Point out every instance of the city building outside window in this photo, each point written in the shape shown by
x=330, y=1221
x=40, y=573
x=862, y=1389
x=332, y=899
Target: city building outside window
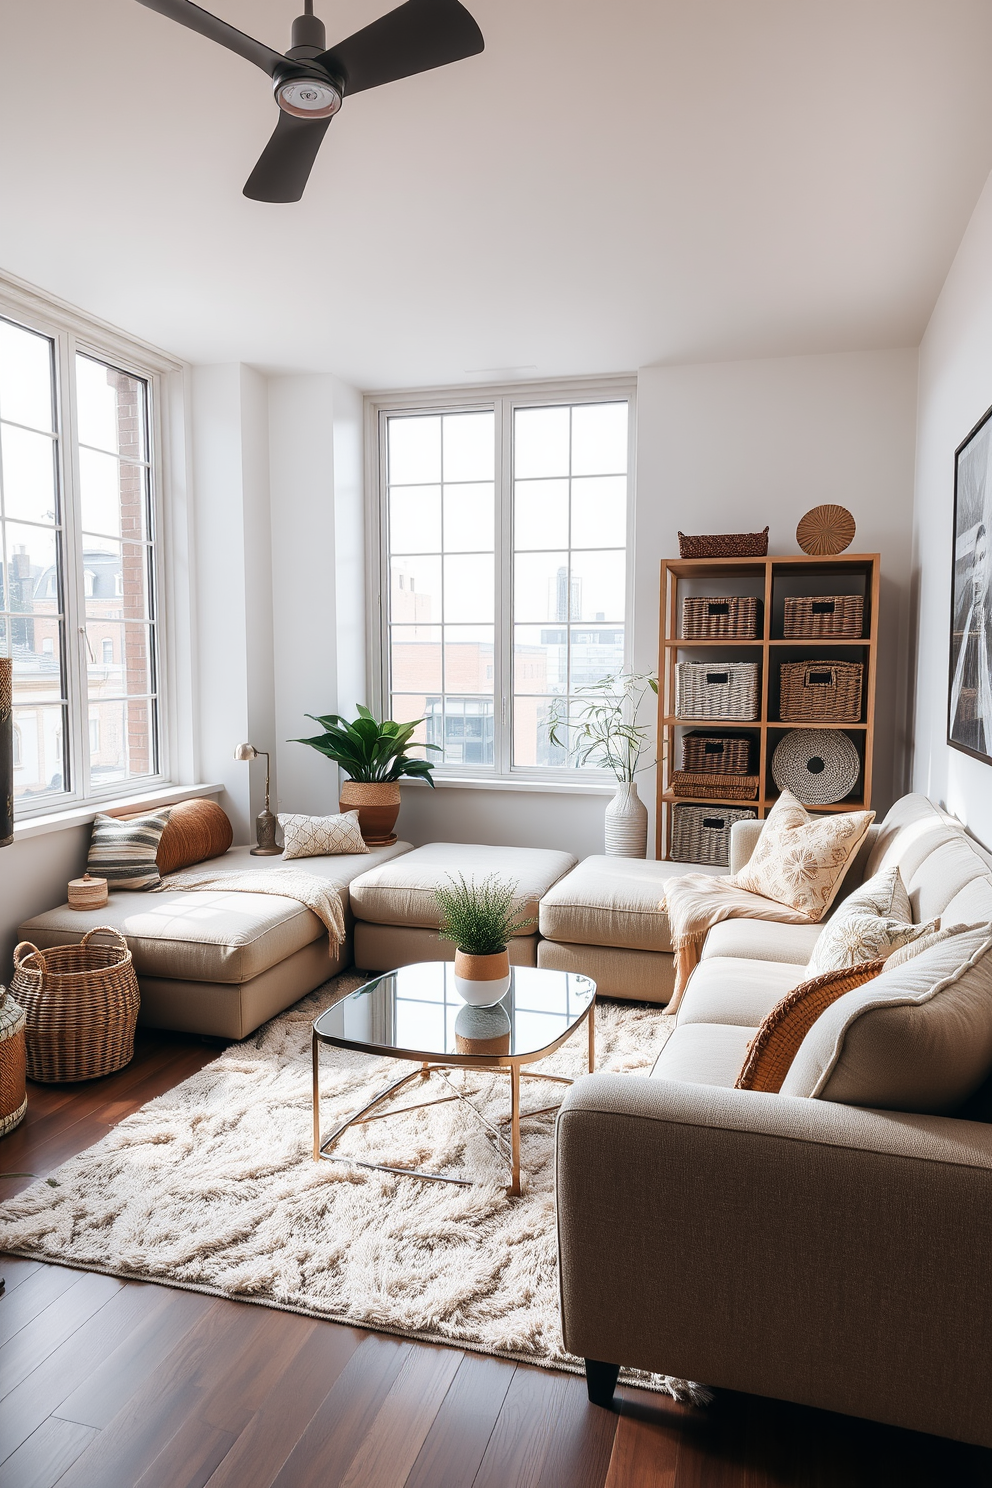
x=78, y=605
x=503, y=533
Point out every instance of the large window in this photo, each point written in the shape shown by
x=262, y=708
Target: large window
x=77, y=570
x=504, y=572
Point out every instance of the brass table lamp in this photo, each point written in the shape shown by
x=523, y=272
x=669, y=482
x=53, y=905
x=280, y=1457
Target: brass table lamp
x=265, y=822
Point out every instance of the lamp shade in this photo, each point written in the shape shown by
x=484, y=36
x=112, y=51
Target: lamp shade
x=246, y=752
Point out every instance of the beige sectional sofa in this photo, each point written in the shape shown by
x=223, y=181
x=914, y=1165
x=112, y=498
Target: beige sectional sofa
x=814, y=1250
x=218, y=962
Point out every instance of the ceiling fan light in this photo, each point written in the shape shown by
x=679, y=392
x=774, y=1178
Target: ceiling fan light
x=308, y=98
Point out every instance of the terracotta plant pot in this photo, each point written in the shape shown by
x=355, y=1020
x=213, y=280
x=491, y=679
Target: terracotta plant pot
x=378, y=806
x=482, y=980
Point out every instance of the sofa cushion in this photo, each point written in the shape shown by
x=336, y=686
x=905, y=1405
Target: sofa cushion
x=401, y=892
x=949, y=869
x=777, y=1041
x=800, y=859
x=971, y=905
x=917, y=1038
x=912, y=829
x=612, y=902
x=643, y=976
x=725, y=990
x=704, y=1054
x=762, y=940
x=207, y=936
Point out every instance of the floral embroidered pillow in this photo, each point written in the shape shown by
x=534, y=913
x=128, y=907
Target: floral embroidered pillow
x=800, y=860
x=856, y=935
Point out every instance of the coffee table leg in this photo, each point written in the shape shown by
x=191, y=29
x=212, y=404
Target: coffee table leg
x=592, y=1036
x=514, y=1189
x=316, y=1097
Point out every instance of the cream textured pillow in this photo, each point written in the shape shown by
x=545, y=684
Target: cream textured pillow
x=871, y=923
x=916, y=1038
x=924, y=942
x=321, y=836
x=800, y=860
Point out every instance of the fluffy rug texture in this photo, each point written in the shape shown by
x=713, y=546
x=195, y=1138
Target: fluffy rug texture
x=213, y=1187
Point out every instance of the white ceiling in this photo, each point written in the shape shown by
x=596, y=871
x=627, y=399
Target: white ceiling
x=608, y=185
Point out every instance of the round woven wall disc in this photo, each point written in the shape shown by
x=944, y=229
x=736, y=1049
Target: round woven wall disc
x=825, y=530
x=819, y=766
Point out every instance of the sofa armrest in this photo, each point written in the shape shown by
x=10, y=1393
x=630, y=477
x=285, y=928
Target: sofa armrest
x=801, y=1249
x=743, y=840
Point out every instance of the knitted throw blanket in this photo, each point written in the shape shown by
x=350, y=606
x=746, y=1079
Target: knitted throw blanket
x=696, y=902
x=316, y=893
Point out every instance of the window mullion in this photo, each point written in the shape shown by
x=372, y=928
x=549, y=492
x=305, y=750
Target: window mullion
x=503, y=635
x=75, y=639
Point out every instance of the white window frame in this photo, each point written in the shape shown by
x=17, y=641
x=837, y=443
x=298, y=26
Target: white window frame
x=502, y=399
x=72, y=332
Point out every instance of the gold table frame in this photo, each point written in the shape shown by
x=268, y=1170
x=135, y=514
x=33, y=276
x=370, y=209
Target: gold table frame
x=434, y=1064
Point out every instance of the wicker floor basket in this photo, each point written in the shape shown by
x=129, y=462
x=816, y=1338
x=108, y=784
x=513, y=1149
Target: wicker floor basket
x=711, y=787
x=808, y=616
x=701, y=834
x=716, y=754
x=81, y=1003
x=717, y=689
x=737, y=616
x=13, y=1091
x=820, y=691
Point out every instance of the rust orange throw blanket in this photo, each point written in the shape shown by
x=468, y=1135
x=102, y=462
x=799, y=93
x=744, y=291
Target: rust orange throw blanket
x=697, y=902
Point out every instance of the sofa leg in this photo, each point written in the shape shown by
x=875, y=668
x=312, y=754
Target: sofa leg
x=601, y=1381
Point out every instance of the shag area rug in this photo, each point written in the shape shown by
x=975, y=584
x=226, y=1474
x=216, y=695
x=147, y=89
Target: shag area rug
x=213, y=1187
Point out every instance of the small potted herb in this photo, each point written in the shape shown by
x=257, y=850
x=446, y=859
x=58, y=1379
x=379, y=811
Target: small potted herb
x=373, y=755
x=481, y=918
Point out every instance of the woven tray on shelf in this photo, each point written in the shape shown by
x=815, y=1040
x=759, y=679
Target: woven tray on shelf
x=819, y=766
x=701, y=834
x=722, y=689
x=717, y=754
x=81, y=1003
x=724, y=545
x=737, y=616
x=810, y=615
x=711, y=787
x=820, y=691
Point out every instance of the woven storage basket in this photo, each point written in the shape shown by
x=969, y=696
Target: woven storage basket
x=810, y=615
x=717, y=689
x=724, y=545
x=701, y=834
x=81, y=1003
x=820, y=691
x=819, y=766
x=739, y=615
x=13, y=1091
x=716, y=754
x=710, y=787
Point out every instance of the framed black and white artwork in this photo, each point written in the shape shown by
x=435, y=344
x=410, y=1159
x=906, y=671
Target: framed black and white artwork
x=969, y=712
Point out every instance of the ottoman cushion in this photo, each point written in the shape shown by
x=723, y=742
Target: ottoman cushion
x=401, y=892
x=613, y=902
x=704, y=1054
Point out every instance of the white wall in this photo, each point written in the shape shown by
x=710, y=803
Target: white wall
x=955, y=390
x=731, y=446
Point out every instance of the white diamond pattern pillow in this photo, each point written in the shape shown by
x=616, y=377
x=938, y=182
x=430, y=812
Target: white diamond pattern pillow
x=321, y=836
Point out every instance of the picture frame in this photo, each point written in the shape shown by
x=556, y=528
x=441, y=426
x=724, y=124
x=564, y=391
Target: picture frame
x=969, y=677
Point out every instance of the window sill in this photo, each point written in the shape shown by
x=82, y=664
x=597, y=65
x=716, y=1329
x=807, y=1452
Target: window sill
x=84, y=812
x=546, y=787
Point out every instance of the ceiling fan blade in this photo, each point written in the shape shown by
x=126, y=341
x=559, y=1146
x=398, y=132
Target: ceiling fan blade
x=188, y=14
x=285, y=164
x=413, y=38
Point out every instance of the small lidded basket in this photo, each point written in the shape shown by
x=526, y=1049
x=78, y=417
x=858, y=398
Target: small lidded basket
x=87, y=892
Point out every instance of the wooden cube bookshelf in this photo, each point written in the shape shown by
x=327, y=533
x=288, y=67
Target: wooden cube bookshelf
x=770, y=579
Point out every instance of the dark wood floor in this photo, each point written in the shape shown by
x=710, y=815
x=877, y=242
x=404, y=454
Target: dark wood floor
x=110, y=1384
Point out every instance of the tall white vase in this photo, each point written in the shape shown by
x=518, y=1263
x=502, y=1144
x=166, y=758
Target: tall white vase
x=626, y=823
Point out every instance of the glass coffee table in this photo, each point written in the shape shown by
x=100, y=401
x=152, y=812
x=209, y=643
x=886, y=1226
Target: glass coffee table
x=416, y=1014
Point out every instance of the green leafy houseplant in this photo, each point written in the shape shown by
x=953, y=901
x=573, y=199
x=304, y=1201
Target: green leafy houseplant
x=479, y=917
x=370, y=751
x=602, y=723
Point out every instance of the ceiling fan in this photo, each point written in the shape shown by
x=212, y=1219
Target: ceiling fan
x=311, y=81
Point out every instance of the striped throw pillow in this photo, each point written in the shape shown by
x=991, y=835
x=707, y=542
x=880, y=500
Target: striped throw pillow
x=123, y=852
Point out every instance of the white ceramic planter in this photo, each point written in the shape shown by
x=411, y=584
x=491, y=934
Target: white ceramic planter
x=482, y=981
x=626, y=823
